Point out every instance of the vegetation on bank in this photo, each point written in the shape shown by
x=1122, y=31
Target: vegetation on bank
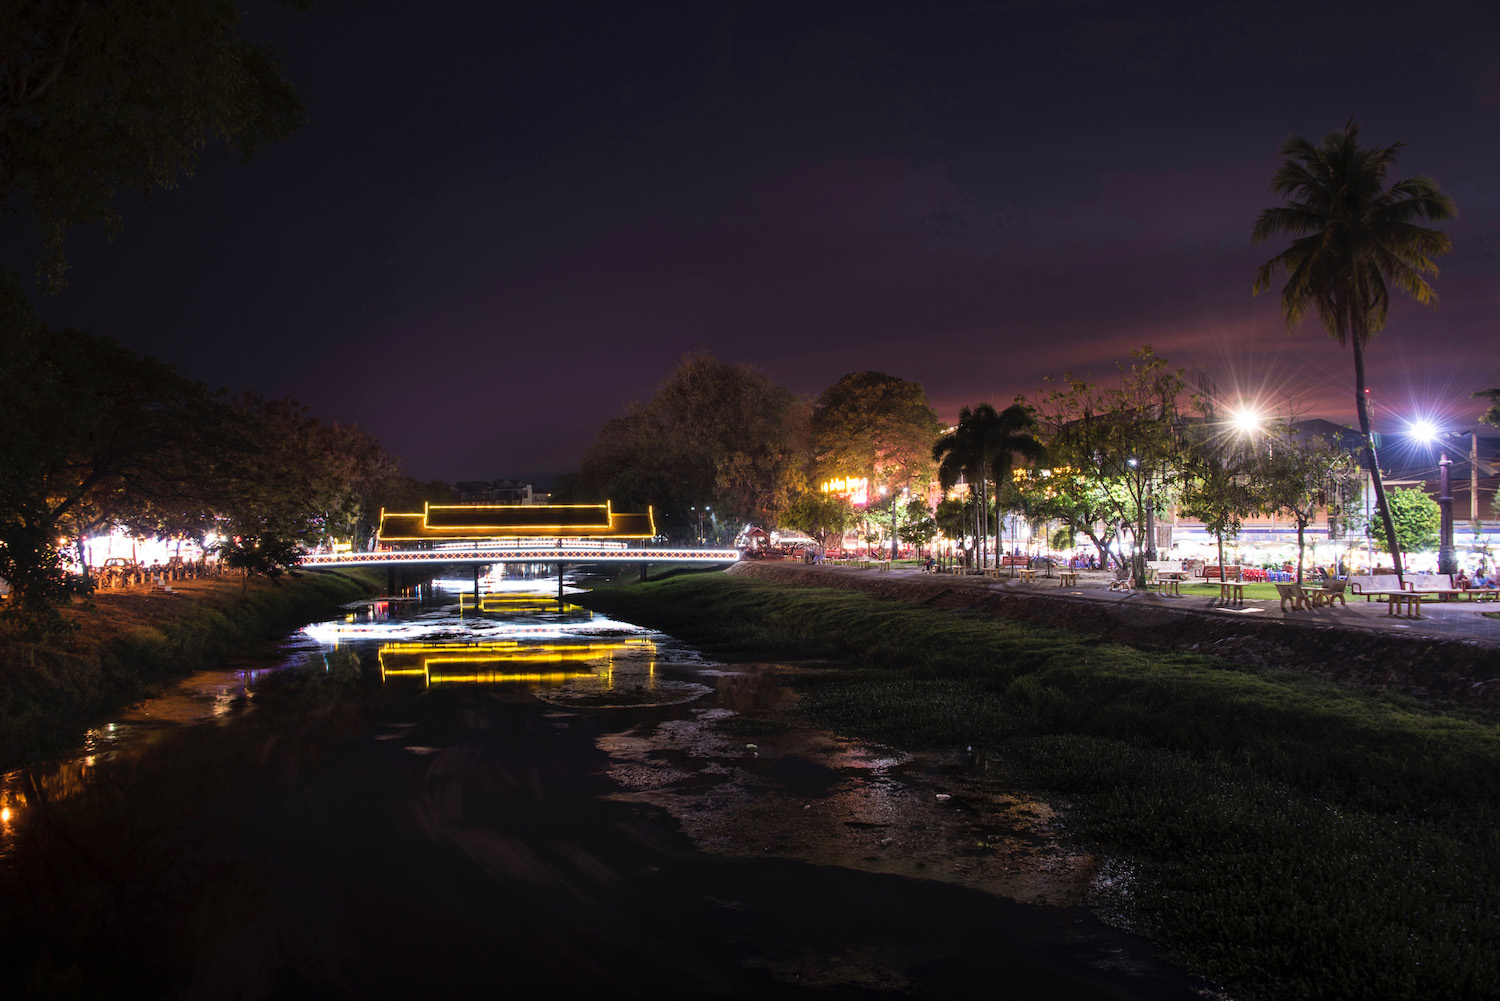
x=1281, y=834
x=122, y=645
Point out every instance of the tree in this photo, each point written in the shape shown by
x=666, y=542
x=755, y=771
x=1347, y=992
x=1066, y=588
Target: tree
x=1115, y=453
x=984, y=446
x=917, y=524
x=821, y=515
x=1492, y=415
x=1300, y=475
x=271, y=556
x=1352, y=239
x=1417, y=519
x=301, y=481
x=876, y=426
x=714, y=434
x=1220, y=482
x=97, y=435
x=100, y=98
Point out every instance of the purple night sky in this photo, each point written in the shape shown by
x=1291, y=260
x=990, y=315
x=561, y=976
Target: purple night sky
x=504, y=222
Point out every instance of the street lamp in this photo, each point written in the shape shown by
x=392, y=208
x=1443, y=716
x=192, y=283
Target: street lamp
x=1424, y=430
x=1246, y=421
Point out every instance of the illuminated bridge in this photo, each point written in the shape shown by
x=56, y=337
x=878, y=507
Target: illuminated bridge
x=478, y=535
x=521, y=554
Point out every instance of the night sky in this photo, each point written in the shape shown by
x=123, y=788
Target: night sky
x=504, y=221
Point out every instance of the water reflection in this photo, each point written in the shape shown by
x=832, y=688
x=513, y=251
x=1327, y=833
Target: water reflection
x=508, y=660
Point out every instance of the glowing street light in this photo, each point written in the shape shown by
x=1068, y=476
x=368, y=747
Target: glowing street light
x=1427, y=432
x=1423, y=430
x=1246, y=421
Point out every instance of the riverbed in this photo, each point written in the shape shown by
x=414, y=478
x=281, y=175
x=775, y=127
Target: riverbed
x=423, y=797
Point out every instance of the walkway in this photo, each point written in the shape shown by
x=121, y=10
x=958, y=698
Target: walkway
x=1449, y=620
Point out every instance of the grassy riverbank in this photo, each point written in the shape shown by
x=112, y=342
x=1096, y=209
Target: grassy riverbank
x=1281, y=834
x=125, y=643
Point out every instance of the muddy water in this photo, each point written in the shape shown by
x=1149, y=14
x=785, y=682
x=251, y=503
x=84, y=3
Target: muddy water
x=407, y=799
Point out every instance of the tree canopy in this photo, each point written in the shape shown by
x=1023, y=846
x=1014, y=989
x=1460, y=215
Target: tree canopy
x=1417, y=519
x=714, y=434
x=877, y=426
x=1114, y=450
x=98, y=437
x=101, y=98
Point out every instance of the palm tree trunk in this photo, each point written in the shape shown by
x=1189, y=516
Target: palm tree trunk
x=1362, y=407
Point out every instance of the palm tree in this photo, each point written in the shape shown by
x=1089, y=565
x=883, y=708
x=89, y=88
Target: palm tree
x=984, y=446
x=1352, y=239
x=959, y=457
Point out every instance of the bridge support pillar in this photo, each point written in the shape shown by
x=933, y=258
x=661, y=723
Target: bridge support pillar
x=559, y=583
x=390, y=582
x=644, y=568
x=476, y=588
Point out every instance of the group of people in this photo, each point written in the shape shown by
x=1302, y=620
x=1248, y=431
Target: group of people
x=1480, y=580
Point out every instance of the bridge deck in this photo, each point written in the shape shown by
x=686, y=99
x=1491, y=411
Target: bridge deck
x=530, y=554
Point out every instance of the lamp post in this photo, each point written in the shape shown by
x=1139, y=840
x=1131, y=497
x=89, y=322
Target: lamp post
x=1426, y=431
x=1446, y=562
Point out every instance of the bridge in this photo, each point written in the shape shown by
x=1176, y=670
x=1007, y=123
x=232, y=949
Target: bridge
x=483, y=534
x=562, y=554
x=529, y=554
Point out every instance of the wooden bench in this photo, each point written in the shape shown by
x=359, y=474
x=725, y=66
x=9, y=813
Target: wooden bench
x=1296, y=594
x=1377, y=585
x=1411, y=600
x=1069, y=577
x=1231, y=587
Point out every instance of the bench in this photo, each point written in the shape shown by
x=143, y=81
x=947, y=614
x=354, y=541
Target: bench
x=1295, y=594
x=1069, y=577
x=1410, y=600
x=1231, y=587
x=1373, y=585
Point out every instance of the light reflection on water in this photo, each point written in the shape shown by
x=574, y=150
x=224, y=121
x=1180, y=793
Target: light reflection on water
x=518, y=636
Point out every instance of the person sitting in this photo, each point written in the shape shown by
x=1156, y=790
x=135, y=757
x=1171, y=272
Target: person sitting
x=1461, y=582
x=928, y=565
x=1480, y=580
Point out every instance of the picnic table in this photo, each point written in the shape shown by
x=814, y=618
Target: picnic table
x=1231, y=587
x=1026, y=573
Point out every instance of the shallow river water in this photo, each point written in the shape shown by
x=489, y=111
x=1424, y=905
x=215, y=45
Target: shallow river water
x=424, y=798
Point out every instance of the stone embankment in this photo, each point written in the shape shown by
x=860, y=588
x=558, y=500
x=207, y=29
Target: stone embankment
x=1463, y=672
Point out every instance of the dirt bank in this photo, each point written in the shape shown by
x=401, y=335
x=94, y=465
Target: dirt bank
x=1455, y=671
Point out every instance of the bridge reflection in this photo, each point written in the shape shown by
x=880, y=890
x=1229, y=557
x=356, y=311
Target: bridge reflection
x=511, y=661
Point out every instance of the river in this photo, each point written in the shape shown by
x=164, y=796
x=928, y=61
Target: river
x=423, y=798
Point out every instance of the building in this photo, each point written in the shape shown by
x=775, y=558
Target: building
x=497, y=492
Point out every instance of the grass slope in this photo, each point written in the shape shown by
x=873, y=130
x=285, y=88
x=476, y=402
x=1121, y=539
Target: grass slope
x=125, y=644
x=1283, y=835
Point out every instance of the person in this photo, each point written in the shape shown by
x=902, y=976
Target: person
x=929, y=564
x=1462, y=580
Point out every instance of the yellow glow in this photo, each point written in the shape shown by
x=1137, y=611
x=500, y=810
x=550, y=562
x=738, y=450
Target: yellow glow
x=4, y=814
x=434, y=660
x=610, y=527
